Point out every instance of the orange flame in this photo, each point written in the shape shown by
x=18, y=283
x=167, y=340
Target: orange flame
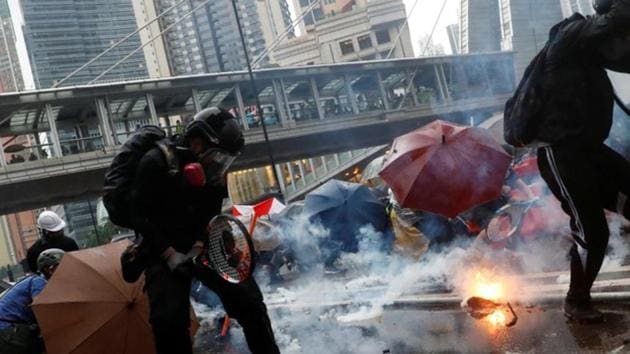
x=487, y=289
x=497, y=318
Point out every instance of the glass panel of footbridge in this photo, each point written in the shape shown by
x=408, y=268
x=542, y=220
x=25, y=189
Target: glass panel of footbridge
x=426, y=87
x=270, y=102
x=127, y=115
x=79, y=128
x=366, y=92
x=300, y=99
x=397, y=88
x=25, y=135
x=333, y=96
x=173, y=111
x=224, y=96
x=478, y=76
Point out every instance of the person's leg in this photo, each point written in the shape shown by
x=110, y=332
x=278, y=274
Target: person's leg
x=615, y=181
x=243, y=302
x=170, y=308
x=574, y=181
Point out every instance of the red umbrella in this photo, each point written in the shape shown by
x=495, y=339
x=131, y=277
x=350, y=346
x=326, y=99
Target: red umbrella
x=445, y=168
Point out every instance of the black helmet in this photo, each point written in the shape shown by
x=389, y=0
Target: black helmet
x=218, y=128
x=602, y=6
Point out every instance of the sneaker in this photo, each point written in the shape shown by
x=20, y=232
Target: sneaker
x=582, y=313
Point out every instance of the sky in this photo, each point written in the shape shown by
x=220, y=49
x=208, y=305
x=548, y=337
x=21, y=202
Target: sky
x=421, y=22
x=424, y=16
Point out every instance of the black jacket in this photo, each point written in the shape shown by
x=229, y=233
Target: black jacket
x=579, y=94
x=64, y=243
x=167, y=211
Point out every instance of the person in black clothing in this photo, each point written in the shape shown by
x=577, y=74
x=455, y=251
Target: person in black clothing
x=52, y=236
x=171, y=213
x=583, y=173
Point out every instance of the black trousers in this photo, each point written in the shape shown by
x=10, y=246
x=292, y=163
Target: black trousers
x=587, y=180
x=169, y=299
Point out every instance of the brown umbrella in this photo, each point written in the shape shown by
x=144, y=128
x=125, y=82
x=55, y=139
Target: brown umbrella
x=87, y=307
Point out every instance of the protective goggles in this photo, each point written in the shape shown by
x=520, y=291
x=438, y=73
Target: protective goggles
x=217, y=160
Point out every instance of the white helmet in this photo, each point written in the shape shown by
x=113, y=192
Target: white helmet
x=50, y=221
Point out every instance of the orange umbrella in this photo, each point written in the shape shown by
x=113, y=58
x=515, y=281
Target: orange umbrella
x=87, y=307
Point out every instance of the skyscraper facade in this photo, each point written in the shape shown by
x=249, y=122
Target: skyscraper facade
x=208, y=40
x=570, y=7
x=10, y=74
x=525, y=26
x=479, y=26
x=62, y=35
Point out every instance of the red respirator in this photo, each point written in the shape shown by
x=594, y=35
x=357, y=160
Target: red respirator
x=195, y=175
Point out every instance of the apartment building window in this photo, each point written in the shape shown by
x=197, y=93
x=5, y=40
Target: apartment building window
x=346, y=47
x=382, y=36
x=365, y=42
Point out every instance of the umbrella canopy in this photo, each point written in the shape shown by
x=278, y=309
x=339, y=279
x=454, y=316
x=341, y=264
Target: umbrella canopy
x=14, y=148
x=445, y=169
x=266, y=207
x=87, y=307
x=344, y=208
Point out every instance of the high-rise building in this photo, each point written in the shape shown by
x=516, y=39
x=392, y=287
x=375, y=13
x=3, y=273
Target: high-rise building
x=62, y=35
x=369, y=32
x=479, y=26
x=570, y=7
x=10, y=74
x=208, y=41
x=81, y=219
x=453, y=38
x=326, y=8
x=154, y=51
x=525, y=26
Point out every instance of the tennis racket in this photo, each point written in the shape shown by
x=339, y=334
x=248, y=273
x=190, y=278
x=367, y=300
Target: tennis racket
x=230, y=249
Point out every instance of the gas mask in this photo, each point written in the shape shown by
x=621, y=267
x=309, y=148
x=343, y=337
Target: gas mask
x=215, y=163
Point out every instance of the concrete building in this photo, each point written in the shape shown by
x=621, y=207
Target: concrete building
x=362, y=33
x=453, y=38
x=525, y=26
x=62, y=35
x=7, y=251
x=326, y=8
x=208, y=41
x=479, y=26
x=22, y=227
x=154, y=53
x=10, y=74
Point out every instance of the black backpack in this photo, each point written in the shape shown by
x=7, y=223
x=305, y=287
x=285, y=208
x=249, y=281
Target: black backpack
x=523, y=112
x=119, y=179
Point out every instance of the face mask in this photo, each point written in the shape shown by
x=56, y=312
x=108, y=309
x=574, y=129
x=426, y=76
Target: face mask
x=216, y=163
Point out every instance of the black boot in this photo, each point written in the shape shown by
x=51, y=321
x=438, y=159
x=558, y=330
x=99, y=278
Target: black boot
x=582, y=312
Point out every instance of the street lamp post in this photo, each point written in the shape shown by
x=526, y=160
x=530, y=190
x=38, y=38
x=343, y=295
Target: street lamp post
x=252, y=81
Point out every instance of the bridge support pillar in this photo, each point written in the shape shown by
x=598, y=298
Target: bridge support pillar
x=3, y=160
x=312, y=166
x=318, y=105
x=101, y=113
x=54, y=134
x=381, y=88
x=280, y=109
x=303, y=176
x=153, y=113
x=324, y=163
x=282, y=187
x=351, y=96
x=195, y=99
x=241, y=106
x=442, y=81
